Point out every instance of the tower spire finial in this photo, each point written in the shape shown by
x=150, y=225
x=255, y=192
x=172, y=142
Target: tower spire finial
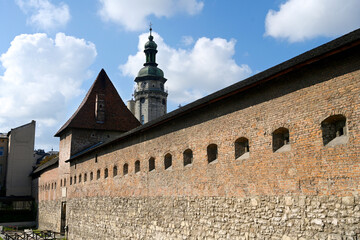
x=150, y=28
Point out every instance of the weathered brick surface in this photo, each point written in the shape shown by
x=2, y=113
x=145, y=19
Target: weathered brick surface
x=299, y=101
x=308, y=192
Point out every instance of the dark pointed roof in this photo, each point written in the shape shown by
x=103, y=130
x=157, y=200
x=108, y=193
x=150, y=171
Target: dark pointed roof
x=118, y=116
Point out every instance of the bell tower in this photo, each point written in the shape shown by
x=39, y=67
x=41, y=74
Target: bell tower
x=150, y=95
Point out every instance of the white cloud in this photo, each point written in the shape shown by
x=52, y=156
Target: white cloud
x=44, y=15
x=132, y=15
x=194, y=73
x=298, y=20
x=41, y=76
x=187, y=40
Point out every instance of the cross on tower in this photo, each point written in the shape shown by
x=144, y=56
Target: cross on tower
x=150, y=28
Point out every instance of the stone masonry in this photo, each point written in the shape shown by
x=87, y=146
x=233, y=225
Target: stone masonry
x=298, y=217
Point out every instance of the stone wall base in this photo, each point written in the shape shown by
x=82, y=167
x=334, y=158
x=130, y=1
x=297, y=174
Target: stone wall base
x=270, y=217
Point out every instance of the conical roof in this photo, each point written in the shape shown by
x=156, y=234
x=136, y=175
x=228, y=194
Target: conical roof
x=117, y=116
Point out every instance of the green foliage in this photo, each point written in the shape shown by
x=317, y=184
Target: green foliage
x=48, y=158
x=9, y=229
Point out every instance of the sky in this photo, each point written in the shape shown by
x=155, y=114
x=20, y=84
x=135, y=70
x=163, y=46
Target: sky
x=51, y=50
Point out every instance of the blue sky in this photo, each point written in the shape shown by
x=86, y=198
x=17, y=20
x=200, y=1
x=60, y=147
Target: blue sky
x=51, y=51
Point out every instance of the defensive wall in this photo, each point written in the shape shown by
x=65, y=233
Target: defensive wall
x=277, y=160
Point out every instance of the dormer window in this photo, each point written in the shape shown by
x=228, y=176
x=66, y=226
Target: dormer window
x=100, y=108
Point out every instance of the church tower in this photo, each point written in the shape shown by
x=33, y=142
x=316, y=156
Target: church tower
x=150, y=96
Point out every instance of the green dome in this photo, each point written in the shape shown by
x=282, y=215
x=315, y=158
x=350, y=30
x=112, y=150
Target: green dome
x=150, y=43
x=150, y=71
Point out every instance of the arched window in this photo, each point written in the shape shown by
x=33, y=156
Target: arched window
x=64, y=182
x=167, y=161
x=74, y=179
x=242, y=148
x=55, y=185
x=98, y=174
x=125, y=169
x=106, y=173
x=60, y=182
x=188, y=157
x=334, y=130
x=137, y=166
x=85, y=177
x=212, y=152
x=91, y=176
x=115, y=171
x=80, y=178
x=281, y=140
x=151, y=164
x=52, y=185
x=70, y=180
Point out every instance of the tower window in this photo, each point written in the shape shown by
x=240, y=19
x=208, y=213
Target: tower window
x=142, y=119
x=188, y=157
x=168, y=160
x=74, y=179
x=80, y=178
x=212, y=152
x=137, y=166
x=334, y=130
x=142, y=100
x=281, y=140
x=85, y=177
x=163, y=101
x=91, y=176
x=106, y=173
x=151, y=164
x=242, y=148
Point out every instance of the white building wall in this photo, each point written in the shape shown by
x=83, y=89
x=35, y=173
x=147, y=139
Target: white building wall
x=20, y=160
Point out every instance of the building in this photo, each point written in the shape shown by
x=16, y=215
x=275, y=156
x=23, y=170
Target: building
x=150, y=95
x=20, y=160
x=274, y=156
x=3, y=157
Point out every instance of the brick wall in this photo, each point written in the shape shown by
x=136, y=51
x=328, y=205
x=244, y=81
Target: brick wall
x=257, y=196
x=298, y=101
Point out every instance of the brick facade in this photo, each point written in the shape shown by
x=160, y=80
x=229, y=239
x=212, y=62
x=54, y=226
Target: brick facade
x=302, y=189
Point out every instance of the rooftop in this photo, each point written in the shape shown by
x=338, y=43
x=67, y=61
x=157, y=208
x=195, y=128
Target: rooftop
x=117, y=116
